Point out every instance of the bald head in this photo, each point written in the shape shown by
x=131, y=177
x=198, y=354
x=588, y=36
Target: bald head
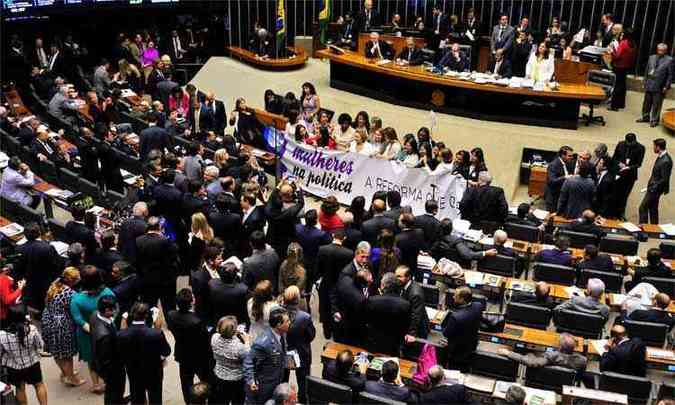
x=436, y=375
x=500, y=237
x=542, y=289
x=662, y=301
x=379, y=206
x=567, y=343
x=588, y=215
x=374, y=36
x=661, y=49
x=140, y=209
x=618, y=332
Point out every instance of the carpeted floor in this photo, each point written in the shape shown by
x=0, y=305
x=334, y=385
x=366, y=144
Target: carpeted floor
x=502, y=143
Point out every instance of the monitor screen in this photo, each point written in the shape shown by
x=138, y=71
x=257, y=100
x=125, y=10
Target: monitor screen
x=16, y=5
x=42, y=3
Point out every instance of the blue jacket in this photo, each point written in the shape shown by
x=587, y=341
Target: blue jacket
x=264, y=364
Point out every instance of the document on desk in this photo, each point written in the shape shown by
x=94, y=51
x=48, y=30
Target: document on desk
x=540, y=214
x=473, y=277
x=478, y=383
x=574, y=290
x=383, y=62
x=452, y=377
x=660, y=354
x=668, y=229
x=630, y=227
x=599, y=345
x=11, y=230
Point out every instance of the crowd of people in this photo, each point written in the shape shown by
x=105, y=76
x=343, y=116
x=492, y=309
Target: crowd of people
x=254, y=253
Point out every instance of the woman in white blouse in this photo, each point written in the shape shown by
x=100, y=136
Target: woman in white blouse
x=541, y=65
x=259, y=307
x=377, y=143
x=392, y=145
x=360, y=143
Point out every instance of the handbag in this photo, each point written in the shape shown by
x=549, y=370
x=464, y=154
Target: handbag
x=493, y=322
x=425, y=362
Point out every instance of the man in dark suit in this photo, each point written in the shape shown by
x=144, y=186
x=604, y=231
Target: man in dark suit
x=310, y=238
x=194, y=201
x=367, y=17
x=341, y=371
x=43, y=148
x=541, y=296
x=265, y=363
x=429, y=224
x=153, y=137
x=348, y=33
x=88, y=153
x=216, y=109
x=629, y=155
x=412, y=292
x=658, y=77
x=390, y=385
x=586, y=224
x=131, y=229
x=348, y=305
x=455, y=248
x=110, y=161
x=371, y=228
x=558, y=255
x=454, y=59
x=353, y=235
x=440, y=393
x=604, y=202
x=330, y=260
x=38, y=264
x=595, y=261
x=124, y=283
x=106, y=360
x=199, y=280
x=557, y=171
x=226, y=224
x=78, y=232
x=142, y=350
x=191, y=350
x=199, y=120
x=484, y=203
x=658, y=313
x=500, y=65
x=253, y=219
x=378, y=49
x=263, y=264
x=502, y=36
x=300, y=335
x=227, y=296
x=523, y=216
x=460, y=328
x=282, y=211
x=655, y=268
x=107, y=255
x=607, y=21
x=658, y=184
x=624, y=355
x=410, y=55
x=394, y=203
x=473, y=29
x=409, y=242
x=439, y=27
x=168, y=199
x=157, y=262
x=577, y=192
x=387, y=318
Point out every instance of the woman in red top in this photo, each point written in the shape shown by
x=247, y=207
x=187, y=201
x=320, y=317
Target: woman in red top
x=8, y=295
x=328, y=218
x=623, y=59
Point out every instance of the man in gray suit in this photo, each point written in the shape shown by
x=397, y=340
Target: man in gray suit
x=590, y=303
x=61, y=102
x=102, y=80
x=658, y=77
x=577, y=193
x=265, y=363
x=658, y=184
x=502, y=36
x=263, y=264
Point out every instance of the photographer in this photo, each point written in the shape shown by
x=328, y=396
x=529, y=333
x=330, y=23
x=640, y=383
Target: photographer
x=283, y=211
x=230, y=346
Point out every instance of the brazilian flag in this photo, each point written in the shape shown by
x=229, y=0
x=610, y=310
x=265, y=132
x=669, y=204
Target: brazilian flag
x=324, y=18
x=281, y=22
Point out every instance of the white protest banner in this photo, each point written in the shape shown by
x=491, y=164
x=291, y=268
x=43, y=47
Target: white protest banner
x=346, y=175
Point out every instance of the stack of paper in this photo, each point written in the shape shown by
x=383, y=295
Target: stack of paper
x=452, y=377
x=668, y=229
x=540, y=214
x=425, y=262
x=474, y=277
x=11, y=230
x=660, y=354
x=383, y=62
x=460, y=226
x=630, y=227
x=473, y=235
x=599, y=345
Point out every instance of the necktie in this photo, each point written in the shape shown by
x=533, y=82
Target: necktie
x=501, y=32
x=409, y=55
x=43, y=57
x=197, y=120
x=283, y=343
x=47, y=148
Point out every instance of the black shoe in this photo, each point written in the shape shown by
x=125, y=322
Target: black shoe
x=654, y=124
x=642, y=120
x=613, y=108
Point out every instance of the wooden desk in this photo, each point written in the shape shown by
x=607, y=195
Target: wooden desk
x=413, y=86
x=266, y=157
x=653, y=362
x=537, y=183
x=331, y=350
x=16, y=105
x=568, y=71
x=668, y=120
x=397, y=43
x=655, y=231
x=295, y=62
x=596, y=397
x=273, y=120
x=528, y=338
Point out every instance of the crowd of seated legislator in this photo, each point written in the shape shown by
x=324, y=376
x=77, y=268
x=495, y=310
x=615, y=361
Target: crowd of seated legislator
x=254, y=252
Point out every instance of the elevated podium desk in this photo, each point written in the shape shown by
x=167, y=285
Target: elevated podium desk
x=413, y=86
x=668, y=119
x=251, y=58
